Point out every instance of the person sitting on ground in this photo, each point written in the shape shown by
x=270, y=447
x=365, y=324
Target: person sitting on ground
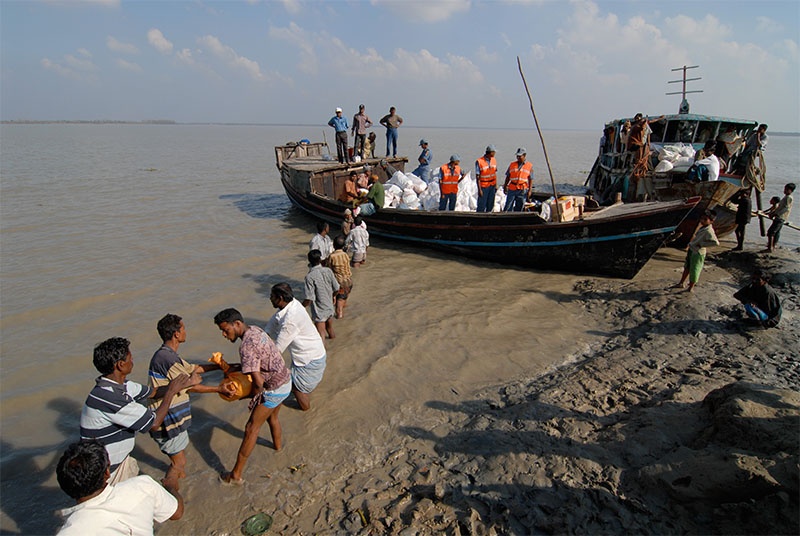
x=761, y=303
x=262, y=359
x=129, y=507
x=696, y=251
x=320, y=288
x=350, y=192
x=357, y=242
x=322, y=241
x=114, y=410
x=291, y=327
x=339, y=263
x=780, y=215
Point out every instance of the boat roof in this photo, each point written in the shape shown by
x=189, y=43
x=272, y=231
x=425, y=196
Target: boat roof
x=693, y=117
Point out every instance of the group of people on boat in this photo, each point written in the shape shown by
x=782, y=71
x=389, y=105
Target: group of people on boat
x=99, y=471
x=363, y=139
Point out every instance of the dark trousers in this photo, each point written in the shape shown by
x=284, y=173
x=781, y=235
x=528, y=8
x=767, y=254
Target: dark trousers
x=341, y=147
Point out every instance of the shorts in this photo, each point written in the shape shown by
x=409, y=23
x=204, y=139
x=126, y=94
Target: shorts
x=173, y=445
x=359, y=256
x=694, y=263
x=305, y=379
x=274, y=398
x=344, y=289
x=775, y=228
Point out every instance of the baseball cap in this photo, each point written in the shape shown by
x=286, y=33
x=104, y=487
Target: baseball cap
x=521, y=151
x=455, y=158
x=423, y=141
x=338, y=110
x=490, y=149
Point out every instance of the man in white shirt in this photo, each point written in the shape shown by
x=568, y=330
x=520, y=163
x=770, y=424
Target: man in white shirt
x=291, y=328
x=129, y=507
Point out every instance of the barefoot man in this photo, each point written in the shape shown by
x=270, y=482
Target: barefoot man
x=291, y=328
x=271, y=384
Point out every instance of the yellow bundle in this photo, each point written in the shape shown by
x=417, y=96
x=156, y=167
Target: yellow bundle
x=239, y=385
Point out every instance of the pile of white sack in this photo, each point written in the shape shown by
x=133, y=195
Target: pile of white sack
x=407, y=191
x=675, y=157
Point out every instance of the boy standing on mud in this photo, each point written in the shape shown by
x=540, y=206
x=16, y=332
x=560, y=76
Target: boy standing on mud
x=696, y=253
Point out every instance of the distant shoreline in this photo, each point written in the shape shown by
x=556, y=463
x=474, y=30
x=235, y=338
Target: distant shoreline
x=171, y=122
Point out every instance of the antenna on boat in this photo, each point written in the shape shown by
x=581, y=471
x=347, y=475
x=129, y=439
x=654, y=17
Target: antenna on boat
x=535, y=120
x=684, y=107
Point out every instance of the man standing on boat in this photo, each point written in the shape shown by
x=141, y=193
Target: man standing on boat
x=339, y=123
x=423, y=171
x=361, y=122
x=392, y=122
x=519, y=182
x=449, y=175
x=486, y=176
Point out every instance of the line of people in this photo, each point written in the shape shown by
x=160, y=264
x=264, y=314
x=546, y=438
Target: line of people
x=99, y=471
x=363, y=141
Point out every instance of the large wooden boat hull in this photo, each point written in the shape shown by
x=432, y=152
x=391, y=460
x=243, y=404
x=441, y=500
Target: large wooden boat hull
x=616, y=243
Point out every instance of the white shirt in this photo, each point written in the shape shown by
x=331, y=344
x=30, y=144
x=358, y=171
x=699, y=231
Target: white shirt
x=291, y=328
x=128, y=508
x=712, y=163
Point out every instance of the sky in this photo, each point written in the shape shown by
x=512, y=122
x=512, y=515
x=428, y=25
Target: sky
x=442, y=63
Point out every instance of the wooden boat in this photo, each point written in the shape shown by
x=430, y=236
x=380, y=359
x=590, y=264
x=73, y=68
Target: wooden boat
x=613, y=170
x=617, y=240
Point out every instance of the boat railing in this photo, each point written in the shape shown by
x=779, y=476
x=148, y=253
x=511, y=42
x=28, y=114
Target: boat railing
x=298, y=150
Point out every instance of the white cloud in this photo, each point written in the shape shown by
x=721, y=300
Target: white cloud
x=78, y=63
x=128, y=65
x=422, y=12
x=485, y=56
x=767, y=25
x=303, y=41
x=117, y=46
x=292, y=7
x=185, y=55
x=157, y=40
x=229, y=56
x=59, y=69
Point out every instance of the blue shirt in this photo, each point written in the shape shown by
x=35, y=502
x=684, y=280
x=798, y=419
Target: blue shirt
x=427, y=155
x=339, y=123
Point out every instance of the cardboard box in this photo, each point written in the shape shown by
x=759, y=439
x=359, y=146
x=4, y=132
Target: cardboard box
x=568, y=210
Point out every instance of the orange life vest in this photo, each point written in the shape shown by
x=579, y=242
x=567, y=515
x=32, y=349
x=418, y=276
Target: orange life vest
x=449, y=181
x=519, y=175
x=488, y=176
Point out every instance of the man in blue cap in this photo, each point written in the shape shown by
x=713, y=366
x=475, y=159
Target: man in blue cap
x=423, y=171
x=339, y=124
x=519, y=181
x=486, y=176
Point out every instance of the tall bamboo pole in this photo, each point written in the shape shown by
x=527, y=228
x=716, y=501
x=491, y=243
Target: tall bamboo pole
x=544, y=148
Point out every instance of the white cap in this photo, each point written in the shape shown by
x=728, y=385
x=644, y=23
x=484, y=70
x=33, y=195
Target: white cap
x=338, y=110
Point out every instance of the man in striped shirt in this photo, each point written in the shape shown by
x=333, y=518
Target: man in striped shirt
x=114, y=410
x=166, y=365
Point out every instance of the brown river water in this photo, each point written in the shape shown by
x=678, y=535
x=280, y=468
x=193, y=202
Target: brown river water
x=105, y=228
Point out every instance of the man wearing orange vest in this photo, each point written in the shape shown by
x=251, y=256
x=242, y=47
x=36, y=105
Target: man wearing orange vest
x=519, y=181
x=449, y=175
x=486, y=175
